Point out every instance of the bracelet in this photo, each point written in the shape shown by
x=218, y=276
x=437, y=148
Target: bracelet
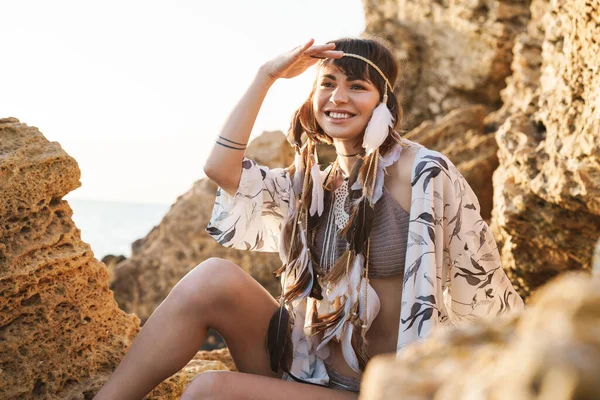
x=229, y=147
x=231, y=141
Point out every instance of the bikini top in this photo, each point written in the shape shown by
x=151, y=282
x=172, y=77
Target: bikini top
x=389, y=234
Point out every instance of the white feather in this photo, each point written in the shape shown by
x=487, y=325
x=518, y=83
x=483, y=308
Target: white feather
x=385, y=162
x=336, y=330
x=340, y=289
x=378, y=127
x=355, y=275
x=347, y=350
x=373, y=304
x=316, y=205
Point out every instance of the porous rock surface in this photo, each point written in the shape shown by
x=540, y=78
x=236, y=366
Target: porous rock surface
x=547, y=188
x=61, y=331
x=549, y=351
x=452, y=53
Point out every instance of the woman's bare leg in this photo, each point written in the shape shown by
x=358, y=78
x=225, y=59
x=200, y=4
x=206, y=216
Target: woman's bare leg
x=224, y=385
x=217, y=294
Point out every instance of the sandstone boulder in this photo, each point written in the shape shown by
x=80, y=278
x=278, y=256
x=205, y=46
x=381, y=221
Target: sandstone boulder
x=61, y=331
x=452, y=53
x=547, y=188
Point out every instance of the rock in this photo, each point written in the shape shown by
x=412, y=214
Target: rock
x=462, y=49
x=549, y=351
x=61, y=331
x=172, y=388
x=111, y=262
x=547, y=188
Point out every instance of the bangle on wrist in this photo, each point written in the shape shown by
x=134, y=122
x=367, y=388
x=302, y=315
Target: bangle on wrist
x=230, y=147
x=231, y=141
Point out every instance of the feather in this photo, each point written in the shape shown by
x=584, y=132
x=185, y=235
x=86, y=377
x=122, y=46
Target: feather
x=302, y=271
x=378, y=127
x=373, y=304
x=336, y=325
x=316, y=292
x=355, y=275
x=384, y=162
x=314, y=220
x=279, y=340
x=339, y=267
x=342, y=287
x=299, y=172
x=348, y=349
x=316, y=205
x=359, y=225
x=360, y=346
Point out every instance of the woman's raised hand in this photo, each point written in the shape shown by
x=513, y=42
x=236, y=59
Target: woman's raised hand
x=299, y=59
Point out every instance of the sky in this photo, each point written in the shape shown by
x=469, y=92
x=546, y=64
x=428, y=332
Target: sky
x=137, y=91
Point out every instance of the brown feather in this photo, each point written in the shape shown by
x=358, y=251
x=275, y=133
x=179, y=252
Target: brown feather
x=339, y=267
x=297, y=287
x=326, y=321
x=365, y=169
x=359, y=226
x=360, y=345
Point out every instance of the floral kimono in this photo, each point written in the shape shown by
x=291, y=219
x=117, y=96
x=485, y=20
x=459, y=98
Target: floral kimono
x=452, y=266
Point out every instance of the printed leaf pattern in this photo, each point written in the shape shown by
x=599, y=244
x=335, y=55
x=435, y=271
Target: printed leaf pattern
x=253, y=218
x=459, y=277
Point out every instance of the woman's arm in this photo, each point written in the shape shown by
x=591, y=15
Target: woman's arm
x=224, y=165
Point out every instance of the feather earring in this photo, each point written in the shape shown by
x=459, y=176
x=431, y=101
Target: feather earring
x=379, y=126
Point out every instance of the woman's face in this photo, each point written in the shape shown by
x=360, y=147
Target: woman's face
x=343, y=105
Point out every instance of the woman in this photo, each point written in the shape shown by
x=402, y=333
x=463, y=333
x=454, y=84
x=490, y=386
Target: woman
x=377, y=249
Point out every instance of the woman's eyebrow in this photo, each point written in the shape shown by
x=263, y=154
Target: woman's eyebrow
x=350, y=78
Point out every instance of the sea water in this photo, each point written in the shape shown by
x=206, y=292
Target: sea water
x=111, y=227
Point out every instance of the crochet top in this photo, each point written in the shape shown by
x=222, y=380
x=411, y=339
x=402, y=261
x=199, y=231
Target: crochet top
x=389, y=234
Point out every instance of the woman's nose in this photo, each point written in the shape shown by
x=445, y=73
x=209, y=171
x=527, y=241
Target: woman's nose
x=339, y=95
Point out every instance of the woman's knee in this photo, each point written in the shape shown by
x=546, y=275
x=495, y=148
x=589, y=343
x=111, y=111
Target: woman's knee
x=206, y=385
x=208, y=283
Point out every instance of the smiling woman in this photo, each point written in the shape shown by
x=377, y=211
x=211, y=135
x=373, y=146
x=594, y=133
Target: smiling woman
x=378, y=249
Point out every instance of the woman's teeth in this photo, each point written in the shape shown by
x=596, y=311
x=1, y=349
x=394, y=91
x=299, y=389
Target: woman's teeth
x=339, y=115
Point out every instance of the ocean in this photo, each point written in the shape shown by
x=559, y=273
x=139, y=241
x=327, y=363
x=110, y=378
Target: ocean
x=111, y=227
